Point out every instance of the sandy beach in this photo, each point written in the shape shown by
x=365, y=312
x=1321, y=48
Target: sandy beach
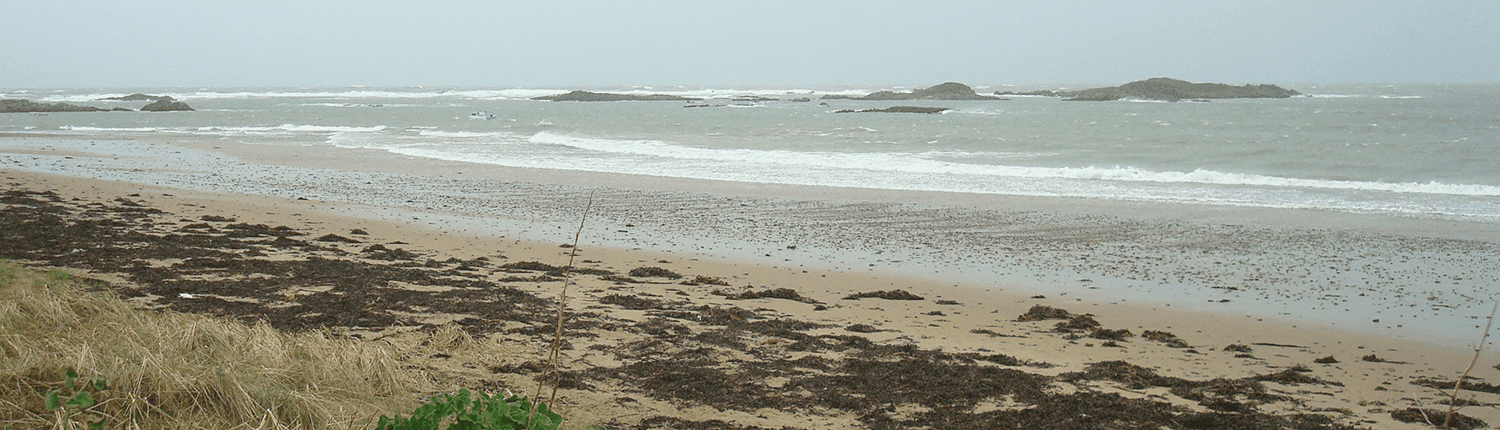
x=758, y=323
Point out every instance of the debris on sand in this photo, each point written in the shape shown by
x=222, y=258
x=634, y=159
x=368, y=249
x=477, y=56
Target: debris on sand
x=888, y=295
x=774, y=293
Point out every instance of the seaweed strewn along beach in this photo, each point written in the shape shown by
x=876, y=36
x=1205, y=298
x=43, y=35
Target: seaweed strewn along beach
x=722, y=344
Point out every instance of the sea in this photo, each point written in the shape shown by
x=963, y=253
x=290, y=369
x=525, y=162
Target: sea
x=1403, y=150
x=1413, y=154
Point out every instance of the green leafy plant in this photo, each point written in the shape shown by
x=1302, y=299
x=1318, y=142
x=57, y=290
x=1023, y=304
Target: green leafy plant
x=479, y=412
x=80, y=400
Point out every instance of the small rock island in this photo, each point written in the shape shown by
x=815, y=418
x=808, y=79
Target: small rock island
x=1168, y=89
x=158, y=104
x=21, y=105
x=164, y=105
x=943, y=91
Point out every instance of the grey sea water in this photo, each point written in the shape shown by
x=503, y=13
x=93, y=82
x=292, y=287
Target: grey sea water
x=1403, y=150
x=1421, y=153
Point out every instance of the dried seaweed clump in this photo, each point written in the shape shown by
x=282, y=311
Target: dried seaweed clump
x=1110, y=334
x=1044, y=312
x=653, y=271
x=1132, y=376
x=1238, y=347
x=1374, y=359
x=1171, y=340
x=1470, y=385
x=632, y=302
x=1077, y=323
x=888, y=295
x=775, y=293
x=705, y=280
x=1433, y=416
x=535, y=266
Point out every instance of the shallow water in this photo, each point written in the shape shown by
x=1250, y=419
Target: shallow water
x=1401, y=150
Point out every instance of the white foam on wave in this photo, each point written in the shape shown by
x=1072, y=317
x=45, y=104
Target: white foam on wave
x=77, y=98
x=116, y=129
x=302, y=128
x=958, y=153
x=1361, y=96
x=465, y=134
x=365, y=94
x=979, y=111
x=908, y=163
x=357, y=105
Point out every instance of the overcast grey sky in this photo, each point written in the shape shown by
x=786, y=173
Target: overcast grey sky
x=605, y=43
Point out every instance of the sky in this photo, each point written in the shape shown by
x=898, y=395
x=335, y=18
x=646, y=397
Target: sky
x=559, y=44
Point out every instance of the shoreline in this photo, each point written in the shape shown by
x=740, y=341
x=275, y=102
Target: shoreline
x=1130, y=253
x=430, y=236
x=929, y=324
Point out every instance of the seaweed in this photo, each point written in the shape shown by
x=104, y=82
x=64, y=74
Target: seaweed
x=888, y=295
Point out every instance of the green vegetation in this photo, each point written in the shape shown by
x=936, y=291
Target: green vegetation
x=481, y=412
x=81, y=400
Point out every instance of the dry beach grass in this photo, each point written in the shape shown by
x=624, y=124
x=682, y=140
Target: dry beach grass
x=175, y=370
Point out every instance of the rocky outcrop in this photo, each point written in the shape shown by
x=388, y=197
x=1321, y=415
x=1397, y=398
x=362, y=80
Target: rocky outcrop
x=896, y=109
x=589, y=96
x=138, y=97
x=19, y=105
x=1169, y=89
x=943, y=91
x=165, y=106
x=754, y=99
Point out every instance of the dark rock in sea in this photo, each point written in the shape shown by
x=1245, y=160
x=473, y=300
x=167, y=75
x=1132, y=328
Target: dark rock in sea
x=19, y=105
x=801, y=100
x=896, y=109
x=165, y=105
x=1169, y=89
x=588, y=96
x=138, y=97
x=943, y=91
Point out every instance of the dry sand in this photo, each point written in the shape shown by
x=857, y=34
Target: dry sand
x=662, y=323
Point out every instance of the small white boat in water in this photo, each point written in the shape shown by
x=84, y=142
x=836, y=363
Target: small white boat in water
x=481, y=115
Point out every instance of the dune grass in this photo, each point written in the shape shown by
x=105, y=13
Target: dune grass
x=168, y=370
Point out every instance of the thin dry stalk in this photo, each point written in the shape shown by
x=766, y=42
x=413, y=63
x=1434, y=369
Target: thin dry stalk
x=562, y=306
x=1453, y=397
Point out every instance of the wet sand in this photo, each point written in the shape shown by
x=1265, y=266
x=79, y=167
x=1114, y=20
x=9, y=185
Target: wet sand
x=661, y=322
